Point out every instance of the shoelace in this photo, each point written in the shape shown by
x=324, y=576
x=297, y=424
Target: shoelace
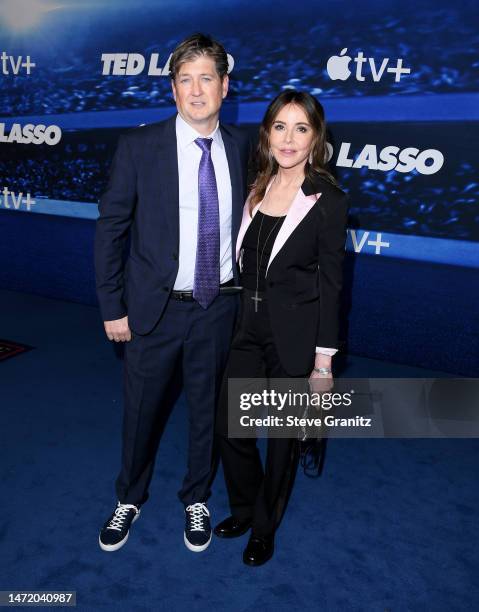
x=120, y=515
x=196, y=513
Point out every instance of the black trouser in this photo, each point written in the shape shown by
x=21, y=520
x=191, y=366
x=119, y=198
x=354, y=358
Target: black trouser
x=197, y=341
x=254, y=493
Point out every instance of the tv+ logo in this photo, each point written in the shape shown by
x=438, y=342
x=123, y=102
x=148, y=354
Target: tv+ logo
x=378, y=243
x=17, y=199
x=132, y=64
x=13, y=65
x=338, y=67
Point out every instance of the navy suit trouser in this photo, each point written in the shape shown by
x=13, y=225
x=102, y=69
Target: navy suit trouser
x=197, y=341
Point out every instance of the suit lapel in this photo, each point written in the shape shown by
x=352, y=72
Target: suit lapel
x=237, y=190
x=246, y=221
x=305, y=199
x=299, y=208
x=168, y=177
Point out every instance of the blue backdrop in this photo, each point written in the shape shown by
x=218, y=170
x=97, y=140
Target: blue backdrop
x=397, y=80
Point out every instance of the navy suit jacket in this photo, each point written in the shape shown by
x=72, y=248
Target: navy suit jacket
x=141, y=202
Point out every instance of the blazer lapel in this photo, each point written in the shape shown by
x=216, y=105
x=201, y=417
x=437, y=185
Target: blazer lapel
x=299, y=208
x=246, y=220
x=168, y=177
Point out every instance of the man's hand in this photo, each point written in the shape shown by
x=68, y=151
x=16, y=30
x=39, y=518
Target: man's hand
x=118, y=330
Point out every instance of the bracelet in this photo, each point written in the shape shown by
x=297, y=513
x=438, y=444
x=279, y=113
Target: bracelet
x=323, y=370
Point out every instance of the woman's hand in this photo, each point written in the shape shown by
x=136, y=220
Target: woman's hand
x=321, y=382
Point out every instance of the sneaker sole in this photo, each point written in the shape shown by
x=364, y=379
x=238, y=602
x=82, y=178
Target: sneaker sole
x=194, y=547
x=118, y=545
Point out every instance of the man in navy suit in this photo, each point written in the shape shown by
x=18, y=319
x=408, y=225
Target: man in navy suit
x=176, y=190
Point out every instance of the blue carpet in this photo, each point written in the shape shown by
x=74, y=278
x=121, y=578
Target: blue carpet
x=390, y=525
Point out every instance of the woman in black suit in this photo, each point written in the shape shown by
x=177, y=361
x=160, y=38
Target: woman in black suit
x=290, y=247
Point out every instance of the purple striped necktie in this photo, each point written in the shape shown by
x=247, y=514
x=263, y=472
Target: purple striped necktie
x=207, y=269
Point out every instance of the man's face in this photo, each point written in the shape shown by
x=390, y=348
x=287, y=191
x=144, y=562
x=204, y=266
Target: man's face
x=199, y=91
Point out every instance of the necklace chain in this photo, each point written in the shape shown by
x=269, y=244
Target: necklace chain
x=259, y=259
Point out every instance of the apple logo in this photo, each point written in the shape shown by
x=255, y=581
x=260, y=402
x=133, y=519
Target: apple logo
x=337, y=66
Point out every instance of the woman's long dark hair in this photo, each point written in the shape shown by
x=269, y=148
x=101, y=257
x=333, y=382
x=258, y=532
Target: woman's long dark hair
x=266, y=164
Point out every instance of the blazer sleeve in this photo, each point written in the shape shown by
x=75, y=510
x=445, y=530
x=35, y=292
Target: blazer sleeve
x=332, y=244
x=116, y=207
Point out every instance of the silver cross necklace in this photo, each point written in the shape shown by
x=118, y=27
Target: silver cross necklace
x=256, y=297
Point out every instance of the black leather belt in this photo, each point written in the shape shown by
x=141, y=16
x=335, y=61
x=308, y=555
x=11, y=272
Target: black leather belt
x=228, y=288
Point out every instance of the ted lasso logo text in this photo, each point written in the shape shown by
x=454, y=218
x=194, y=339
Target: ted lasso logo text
x=132, y=64
x=388, y=158
x=12, y=64
x=31, y=134
x=338, y=67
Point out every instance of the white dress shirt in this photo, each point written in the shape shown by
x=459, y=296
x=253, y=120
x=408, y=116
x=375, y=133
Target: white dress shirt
x=189, y=156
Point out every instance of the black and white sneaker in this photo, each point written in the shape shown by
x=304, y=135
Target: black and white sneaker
x=197, y=527
x=115, y=531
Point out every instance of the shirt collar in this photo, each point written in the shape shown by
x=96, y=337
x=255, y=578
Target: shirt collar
x=186, y=134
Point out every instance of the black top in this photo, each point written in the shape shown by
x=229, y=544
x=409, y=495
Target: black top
x=252, y=255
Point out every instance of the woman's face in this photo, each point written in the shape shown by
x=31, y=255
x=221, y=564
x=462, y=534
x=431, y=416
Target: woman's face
x=291, y=137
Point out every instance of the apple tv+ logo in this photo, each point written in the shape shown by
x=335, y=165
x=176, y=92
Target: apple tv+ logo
x=338, y=67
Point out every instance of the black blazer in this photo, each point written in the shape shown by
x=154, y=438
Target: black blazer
x=141, y=200
x=304, y=276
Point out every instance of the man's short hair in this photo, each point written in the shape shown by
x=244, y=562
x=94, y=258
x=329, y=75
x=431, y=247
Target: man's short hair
x=193, y=47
